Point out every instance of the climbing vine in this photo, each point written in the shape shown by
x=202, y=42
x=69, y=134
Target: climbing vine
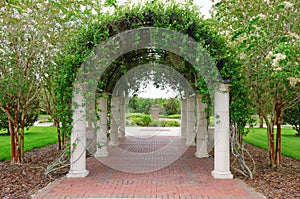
x=182, y=18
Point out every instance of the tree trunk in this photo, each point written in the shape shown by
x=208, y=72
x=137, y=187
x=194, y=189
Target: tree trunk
x=63, y=138
x=11, y=131
x=12, y=140
x=21, y=138
x=278, y=136
x=59, y=140
x=17, y=147
x=16, y=134
x=271, y=151
x=21, y=157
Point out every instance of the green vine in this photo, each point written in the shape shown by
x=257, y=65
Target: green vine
x=178, y=17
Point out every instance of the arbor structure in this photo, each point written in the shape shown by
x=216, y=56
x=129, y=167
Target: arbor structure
x=109, y=46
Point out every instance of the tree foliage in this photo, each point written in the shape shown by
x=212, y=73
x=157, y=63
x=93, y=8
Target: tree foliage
x=167, y=106
x=32, y=118
x=184, y=18
x=27, y=50
x=266, y=38
x=32, y=33
x=292, y=116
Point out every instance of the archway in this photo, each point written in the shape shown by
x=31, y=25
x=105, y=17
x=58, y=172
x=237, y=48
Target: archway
x=184, y=53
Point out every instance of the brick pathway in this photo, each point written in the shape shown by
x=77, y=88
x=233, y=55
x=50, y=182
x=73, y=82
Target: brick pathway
x=187, y=177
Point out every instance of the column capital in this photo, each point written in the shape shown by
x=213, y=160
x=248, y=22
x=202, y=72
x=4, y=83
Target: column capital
x=224, y=87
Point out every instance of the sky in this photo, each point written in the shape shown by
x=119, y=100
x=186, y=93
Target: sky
x=151, y=91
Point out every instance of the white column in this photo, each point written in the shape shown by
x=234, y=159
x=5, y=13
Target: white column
x=201, y=130
x=183, y=118
x=190, y=131
x=101, y=130
x=113, y=132
x=78, y=137
x=222, y=134
x=90, y=140
x=122, y=115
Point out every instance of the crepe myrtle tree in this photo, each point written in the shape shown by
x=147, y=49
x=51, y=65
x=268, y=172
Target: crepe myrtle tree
x=32, y=33
x=31, y=119
x=26, y=50
x=266, y=38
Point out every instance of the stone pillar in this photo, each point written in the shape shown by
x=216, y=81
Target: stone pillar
x=113, y=132
x=78, y=137
x=155, y=113
x=122, y=117
x=183, y=118
x=101, y=129
x=91, y=141
x=222, y=134
x=190, y=131
x=202, y=129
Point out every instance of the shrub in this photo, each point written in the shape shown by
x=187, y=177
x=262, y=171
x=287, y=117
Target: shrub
x=140, y=119
x=154, y=123
x=291, y=116
x=169, y=123
x=175, y=116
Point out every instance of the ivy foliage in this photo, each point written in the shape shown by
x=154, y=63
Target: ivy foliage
x=180, y=17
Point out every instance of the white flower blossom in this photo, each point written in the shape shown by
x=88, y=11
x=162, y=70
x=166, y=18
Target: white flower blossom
x=294, y=81
x=270, y=55
x=288, y=4
x=262, y=16
x=277, y=69
x=276, y=58
x=293, y=35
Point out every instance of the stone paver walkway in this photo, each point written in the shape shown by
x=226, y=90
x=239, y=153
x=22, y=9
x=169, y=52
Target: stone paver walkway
x=187, y=177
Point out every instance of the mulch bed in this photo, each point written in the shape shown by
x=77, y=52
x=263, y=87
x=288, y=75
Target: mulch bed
x=283, y=182
x=21, y=181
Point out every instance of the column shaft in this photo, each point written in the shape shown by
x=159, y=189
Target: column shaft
x=101, y=129
x=190, y=135
x=222, y=134
x=113, y=133
x=202, y=129
x=78, y=138
x=183, y=118
x=122, y=118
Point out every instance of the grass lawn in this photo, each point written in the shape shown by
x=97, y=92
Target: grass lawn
x=290, y=144
x=36, y=136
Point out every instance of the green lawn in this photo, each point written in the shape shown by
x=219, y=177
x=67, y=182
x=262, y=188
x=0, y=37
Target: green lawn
x=290, y=144
x=35, y=137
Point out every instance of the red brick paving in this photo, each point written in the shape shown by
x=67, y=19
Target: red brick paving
x=187, y=177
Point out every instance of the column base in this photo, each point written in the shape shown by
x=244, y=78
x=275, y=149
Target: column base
x=190, y=143
x=113, y=143
x=121, y=138
x=202, y=155
x=100, y=154
x=77, y=174
x=222, y=175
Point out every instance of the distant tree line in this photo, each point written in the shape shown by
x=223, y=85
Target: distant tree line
x=143, y=105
